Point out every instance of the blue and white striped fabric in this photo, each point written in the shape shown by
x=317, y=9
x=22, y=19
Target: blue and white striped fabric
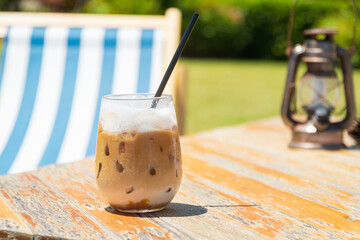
x=51, y=83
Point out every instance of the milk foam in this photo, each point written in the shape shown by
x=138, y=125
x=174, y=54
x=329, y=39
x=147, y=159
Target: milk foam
x=117, y=119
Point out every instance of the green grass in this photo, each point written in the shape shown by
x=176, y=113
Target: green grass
x=228, y=92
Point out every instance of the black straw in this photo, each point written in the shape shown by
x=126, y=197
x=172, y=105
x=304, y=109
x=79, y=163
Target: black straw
x=175, y=58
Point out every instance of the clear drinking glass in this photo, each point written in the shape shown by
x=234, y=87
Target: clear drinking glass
x=138, y=156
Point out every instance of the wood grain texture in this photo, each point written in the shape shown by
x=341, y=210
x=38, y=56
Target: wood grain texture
x=240, y=182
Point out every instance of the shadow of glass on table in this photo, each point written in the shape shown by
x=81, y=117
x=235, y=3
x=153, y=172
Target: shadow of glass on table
x=234, y=205
x=174, y=210
x=171, y=210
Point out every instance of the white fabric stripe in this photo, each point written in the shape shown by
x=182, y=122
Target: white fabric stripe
x=157, y=70
x=127, y=61
x=46, y=102
x=85, y=96
x=13, y=82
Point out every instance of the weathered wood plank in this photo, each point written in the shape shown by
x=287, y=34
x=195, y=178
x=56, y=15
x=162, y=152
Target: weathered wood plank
x=45, y=210
x=336, y=166
x=11, y=225
x=240, y=182
x=310, y=183
x=79, y=185
x=273, y=175
x=172, y=223
x=309, y=214
x=239, y=214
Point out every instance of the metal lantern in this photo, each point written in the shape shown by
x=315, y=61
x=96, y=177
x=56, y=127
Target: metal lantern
x=318, y=90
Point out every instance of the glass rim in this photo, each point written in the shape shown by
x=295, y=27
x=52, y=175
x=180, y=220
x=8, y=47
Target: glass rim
x=128, y=96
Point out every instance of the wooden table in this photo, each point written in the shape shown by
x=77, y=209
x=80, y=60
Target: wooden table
x=239, y=182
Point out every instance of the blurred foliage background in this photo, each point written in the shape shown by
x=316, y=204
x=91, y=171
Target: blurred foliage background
x=251, y=29
x=235, y=62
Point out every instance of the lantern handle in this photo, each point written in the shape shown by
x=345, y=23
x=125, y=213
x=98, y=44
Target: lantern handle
x=348, y=88
x=291, y=21
x=289, y=94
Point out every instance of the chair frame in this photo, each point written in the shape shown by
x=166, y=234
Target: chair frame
x=170, y=23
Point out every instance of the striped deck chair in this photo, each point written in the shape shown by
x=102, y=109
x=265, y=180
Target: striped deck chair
x=52, y=79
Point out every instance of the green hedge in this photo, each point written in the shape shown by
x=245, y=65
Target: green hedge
x=244, y=29
x=254, y=29
x=258, y=29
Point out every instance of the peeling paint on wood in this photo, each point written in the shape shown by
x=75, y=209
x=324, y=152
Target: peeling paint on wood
x=10, y=222
x=239, y=182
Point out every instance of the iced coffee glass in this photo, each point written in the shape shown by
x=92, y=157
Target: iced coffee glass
x=138, y=157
